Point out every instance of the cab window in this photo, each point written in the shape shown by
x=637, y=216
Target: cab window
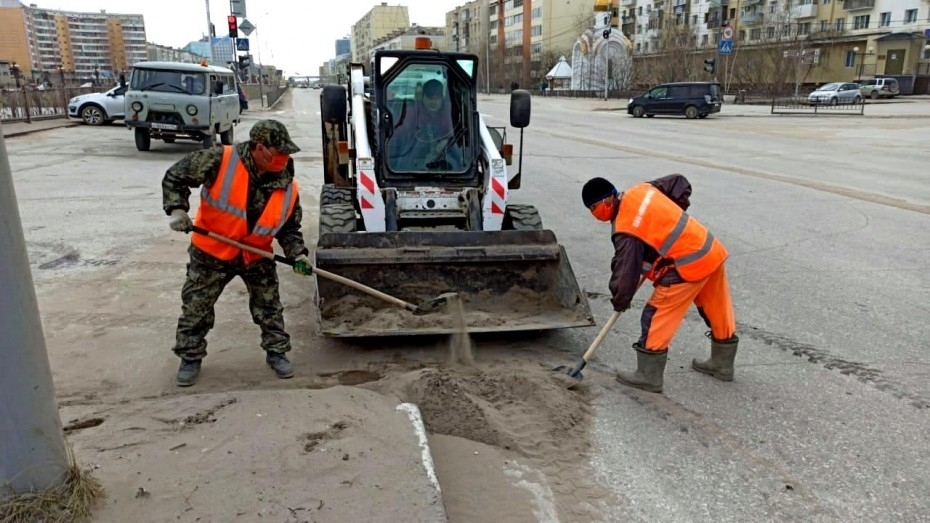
x=659, y=92
x=167, y=81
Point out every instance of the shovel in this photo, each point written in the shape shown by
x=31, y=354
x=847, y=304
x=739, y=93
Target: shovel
x=430, y=306
x=575, y=372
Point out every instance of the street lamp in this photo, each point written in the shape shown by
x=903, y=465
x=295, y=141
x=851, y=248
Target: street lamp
x=871, y=51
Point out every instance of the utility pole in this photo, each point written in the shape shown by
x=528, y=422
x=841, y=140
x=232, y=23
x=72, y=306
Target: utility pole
x=209, y=32
x=33, y=456
x=487, y=61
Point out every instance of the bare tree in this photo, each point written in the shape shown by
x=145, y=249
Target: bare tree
x=677, y=55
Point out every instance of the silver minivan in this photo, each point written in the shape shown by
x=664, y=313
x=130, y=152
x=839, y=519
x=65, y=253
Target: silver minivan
x=172, y=100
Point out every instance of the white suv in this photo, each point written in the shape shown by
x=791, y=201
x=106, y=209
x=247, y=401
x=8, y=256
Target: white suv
x=879, y=88
x=98, y=108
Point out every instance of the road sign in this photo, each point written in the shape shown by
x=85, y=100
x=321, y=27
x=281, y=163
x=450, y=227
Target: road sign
x=237, y=8
x=726, y=47
x=246, y=27
x=242, y=44
x=727, y=33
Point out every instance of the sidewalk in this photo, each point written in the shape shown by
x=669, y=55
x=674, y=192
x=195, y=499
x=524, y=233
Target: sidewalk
x=11, y=129
x=335, y=454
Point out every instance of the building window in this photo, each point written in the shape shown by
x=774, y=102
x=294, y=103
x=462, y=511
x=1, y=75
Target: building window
x=910, y=16
x=517, y=3
x=804, y=28
x=841, y=25
x=536, y=49
x=824, y=24
x=537, y=12
x=884, y=20
x=537, y=30
x=850, y=59
x=861, y=22
x=770, y=32
x=755, y=34
x=704, y=40
x=742, y=35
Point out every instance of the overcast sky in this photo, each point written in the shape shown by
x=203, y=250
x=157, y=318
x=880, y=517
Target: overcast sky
x=293, y=35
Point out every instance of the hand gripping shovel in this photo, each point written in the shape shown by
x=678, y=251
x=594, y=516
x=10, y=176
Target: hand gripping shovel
x=575, y=372
x=427, y=307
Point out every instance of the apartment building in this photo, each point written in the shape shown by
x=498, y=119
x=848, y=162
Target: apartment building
x=528, y=36
x=381, y=21
x=223, y=50
x=793, y=41
x=467, y=28
x=163, y=53
x=86, y=45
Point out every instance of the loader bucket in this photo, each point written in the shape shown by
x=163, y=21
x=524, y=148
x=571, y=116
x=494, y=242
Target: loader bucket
x=507, y=280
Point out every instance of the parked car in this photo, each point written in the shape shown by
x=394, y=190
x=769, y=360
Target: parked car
x=879, y=88
x=692, y=99
x=836, y=93
x=98, y=108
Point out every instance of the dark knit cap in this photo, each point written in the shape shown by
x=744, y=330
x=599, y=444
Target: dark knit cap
x=595, y=190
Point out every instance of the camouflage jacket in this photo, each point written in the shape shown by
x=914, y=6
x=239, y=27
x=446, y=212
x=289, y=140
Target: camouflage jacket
x=202, y=167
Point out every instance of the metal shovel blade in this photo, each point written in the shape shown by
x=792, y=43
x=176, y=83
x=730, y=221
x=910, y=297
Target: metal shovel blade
x=436, y=304
x=574, y=372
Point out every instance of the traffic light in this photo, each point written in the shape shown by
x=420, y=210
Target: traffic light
x=710, y=65
x=233, y=26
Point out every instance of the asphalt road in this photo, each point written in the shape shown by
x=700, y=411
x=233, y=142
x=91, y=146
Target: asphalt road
x=825, y=219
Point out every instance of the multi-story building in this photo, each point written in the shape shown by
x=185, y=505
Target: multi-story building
x=467, y=28
x=222, y=52
x=343, y=46
x=87, y=45
x=377, y=23
x=163, y=53
x=528, y=36
x=778, y=42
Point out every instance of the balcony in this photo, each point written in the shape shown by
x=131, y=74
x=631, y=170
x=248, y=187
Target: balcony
x=750, y=3
x=856, y=5
x=628, y=3
x=804, y=11
x=751, y=19
x=713, y=23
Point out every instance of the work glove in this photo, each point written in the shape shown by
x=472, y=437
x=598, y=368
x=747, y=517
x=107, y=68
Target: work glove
x=302, y=265
x=180, y=221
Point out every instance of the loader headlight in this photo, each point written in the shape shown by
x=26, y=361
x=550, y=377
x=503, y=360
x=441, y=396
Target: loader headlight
x=192, y=110
x=137, y=106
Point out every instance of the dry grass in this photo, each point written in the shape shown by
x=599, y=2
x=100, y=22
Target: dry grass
x=72, y=501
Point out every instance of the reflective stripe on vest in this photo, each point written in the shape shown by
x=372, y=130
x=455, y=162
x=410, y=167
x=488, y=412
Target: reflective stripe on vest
x=282, y=219
x=653, y=218
x=232, y=163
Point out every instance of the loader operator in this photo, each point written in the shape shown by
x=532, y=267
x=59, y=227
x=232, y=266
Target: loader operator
x=654, y=237
x=424, y=138
x=248, y=194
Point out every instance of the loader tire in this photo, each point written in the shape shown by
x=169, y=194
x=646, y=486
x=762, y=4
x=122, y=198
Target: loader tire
x=519, y=217
x=332, y=194
x=337, y=217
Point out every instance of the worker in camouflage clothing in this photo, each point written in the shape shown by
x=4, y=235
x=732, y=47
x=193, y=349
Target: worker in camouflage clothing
x=248, y=194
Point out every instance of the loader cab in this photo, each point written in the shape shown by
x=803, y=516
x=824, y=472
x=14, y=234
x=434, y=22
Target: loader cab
x=427, y=119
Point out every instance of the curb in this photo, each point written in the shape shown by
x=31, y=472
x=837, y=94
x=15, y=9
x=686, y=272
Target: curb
x=31, y=131
x=413, y=412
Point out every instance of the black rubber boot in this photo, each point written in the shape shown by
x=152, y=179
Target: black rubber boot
x=722, y=355
x=650, y=370
x=280, y=364
x=188, y=372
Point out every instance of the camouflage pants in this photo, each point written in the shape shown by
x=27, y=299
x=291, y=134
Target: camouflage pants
x=206, y=281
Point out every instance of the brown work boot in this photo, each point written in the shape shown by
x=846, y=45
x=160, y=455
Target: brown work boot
x=722, y=355
x=650, y=370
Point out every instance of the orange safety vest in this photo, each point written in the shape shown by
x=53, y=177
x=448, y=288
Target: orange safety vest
x=655, y=219
x=223, y=209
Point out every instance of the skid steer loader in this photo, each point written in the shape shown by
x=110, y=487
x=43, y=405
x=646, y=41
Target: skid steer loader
x=416, y=204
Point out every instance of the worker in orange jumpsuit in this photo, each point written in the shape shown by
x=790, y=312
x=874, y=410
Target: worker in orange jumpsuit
x=655, y=238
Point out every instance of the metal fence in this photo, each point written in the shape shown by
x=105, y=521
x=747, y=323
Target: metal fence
x=801, y=105
x=27, y=103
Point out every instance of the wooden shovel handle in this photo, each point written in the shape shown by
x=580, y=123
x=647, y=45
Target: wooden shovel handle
x=326, y=274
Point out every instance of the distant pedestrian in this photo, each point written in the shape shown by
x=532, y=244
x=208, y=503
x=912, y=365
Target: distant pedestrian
x=248, y=193
x=654, y=237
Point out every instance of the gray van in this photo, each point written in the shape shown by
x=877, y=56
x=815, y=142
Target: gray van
x=172, y=100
